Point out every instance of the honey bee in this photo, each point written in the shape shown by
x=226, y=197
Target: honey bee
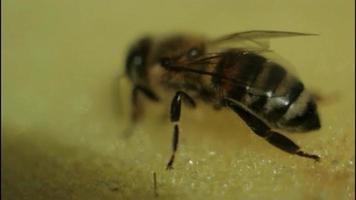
x=232, y=71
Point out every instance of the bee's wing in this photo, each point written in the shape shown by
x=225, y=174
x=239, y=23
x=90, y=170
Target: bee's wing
x=260, y=35
x=258, y=39
x=250, y=41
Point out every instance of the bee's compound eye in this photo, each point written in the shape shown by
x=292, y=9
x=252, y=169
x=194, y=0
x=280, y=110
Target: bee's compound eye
x=137, y=60
x=166, y=62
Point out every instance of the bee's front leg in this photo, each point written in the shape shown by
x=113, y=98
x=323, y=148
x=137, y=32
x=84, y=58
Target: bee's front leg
x=175, y=116
x=137, y=106
x=136, y=102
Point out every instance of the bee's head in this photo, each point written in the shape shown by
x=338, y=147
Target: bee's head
x=136, y=60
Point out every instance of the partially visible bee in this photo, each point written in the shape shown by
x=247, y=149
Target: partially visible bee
x=242, y=79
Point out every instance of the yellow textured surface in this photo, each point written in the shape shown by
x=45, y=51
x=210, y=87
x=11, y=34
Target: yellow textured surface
x=64, y=109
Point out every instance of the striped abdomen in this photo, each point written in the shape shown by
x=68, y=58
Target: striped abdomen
x=268, y=90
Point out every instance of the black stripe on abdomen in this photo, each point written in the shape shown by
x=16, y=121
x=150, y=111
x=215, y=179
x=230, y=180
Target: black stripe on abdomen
x=239, y=70
x=275, y=76
x=248, y=67
x=280, y=104
x=268, y=80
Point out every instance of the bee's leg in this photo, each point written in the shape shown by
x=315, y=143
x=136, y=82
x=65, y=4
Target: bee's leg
x=175, y=116
x=136, y=103
x=137, y=107
x=262, y=130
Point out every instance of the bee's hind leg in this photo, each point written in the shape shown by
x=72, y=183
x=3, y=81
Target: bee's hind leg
x=137, y=107
x=175, y=116
x=263, y=130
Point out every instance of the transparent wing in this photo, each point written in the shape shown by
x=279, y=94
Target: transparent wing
x=261, y=34
x=257, y=39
